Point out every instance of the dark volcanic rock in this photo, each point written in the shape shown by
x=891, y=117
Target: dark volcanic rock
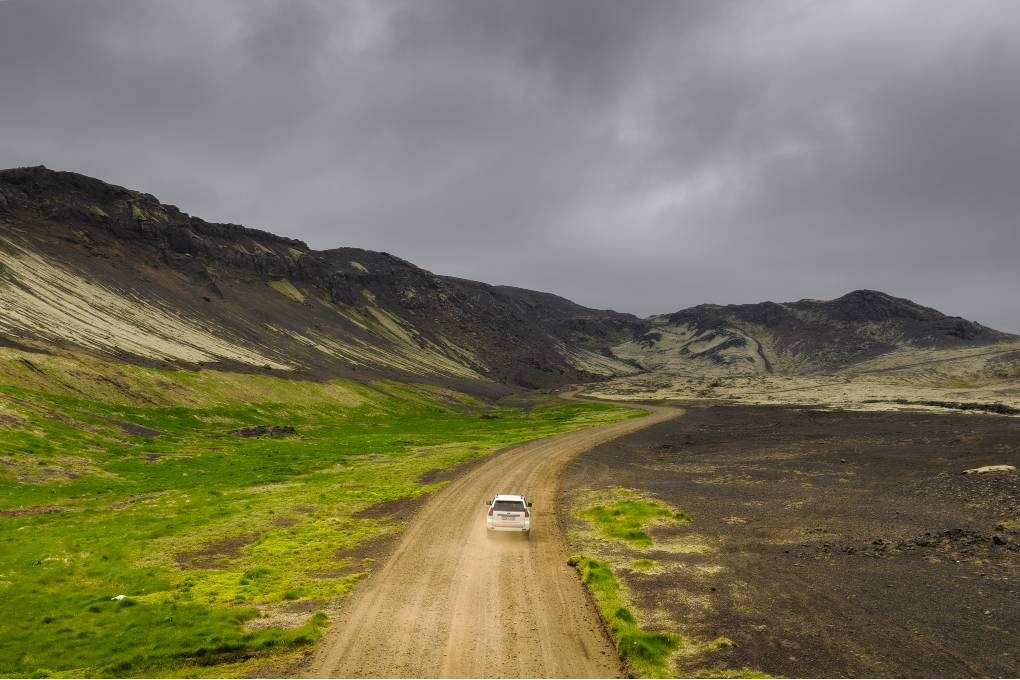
x=871, y=305
x=957, y=405
x=265, y=431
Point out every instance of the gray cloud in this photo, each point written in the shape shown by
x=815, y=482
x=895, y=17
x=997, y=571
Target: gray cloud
x=644, y=156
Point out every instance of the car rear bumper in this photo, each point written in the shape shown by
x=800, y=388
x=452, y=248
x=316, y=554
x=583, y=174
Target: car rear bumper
x=506, y=528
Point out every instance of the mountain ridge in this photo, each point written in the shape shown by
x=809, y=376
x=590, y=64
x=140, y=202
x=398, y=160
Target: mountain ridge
x=335, y=313
x=96, y=267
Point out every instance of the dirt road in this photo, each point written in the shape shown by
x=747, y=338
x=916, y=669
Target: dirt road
x=454, y=602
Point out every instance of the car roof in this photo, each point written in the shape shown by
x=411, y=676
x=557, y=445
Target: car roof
x=508, y=497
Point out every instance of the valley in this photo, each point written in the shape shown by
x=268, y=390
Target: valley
x=224, y=453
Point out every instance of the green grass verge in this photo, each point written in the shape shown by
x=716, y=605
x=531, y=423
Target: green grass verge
x=206, y=532
x=619, y=518
x=646, y=653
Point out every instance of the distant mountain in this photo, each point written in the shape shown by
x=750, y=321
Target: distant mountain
x=87, y=266
x=808, y=336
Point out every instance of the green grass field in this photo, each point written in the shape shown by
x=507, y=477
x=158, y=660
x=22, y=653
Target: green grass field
x=228, y=549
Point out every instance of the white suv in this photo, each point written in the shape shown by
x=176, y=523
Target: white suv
x=508, y=512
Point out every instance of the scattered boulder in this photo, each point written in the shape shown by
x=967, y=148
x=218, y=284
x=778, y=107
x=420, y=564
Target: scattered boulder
x=264, y=431
x=990, y=469
x=1002, y=409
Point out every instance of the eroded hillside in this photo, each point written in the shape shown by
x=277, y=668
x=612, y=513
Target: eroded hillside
x=87, y=265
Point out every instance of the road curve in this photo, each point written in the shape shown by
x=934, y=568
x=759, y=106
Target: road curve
x=452, y=601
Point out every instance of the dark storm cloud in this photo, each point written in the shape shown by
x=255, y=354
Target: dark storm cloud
x=639, y=155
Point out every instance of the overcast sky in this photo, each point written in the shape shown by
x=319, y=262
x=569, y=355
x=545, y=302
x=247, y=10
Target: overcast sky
x=643, y=156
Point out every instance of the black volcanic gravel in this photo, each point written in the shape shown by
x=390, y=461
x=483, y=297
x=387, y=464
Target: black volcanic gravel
x=849, y=543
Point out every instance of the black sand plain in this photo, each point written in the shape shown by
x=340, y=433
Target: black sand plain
x=843, y=544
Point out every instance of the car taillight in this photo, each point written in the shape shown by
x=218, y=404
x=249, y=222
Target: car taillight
x=490, y=511
x=526, y=513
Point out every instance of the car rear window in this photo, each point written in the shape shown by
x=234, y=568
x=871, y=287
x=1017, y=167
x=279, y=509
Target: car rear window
x=508, y=506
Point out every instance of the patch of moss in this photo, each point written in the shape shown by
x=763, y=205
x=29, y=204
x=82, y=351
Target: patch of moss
x=721, y=642
x=626, y=519
x=644, y=565
x=285, y=287
x=729, y=673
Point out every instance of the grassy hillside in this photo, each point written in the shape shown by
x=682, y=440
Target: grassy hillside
x=228, y=549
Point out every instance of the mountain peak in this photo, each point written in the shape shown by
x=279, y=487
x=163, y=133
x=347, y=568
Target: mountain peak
x=65, y=198
x=873, y=305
